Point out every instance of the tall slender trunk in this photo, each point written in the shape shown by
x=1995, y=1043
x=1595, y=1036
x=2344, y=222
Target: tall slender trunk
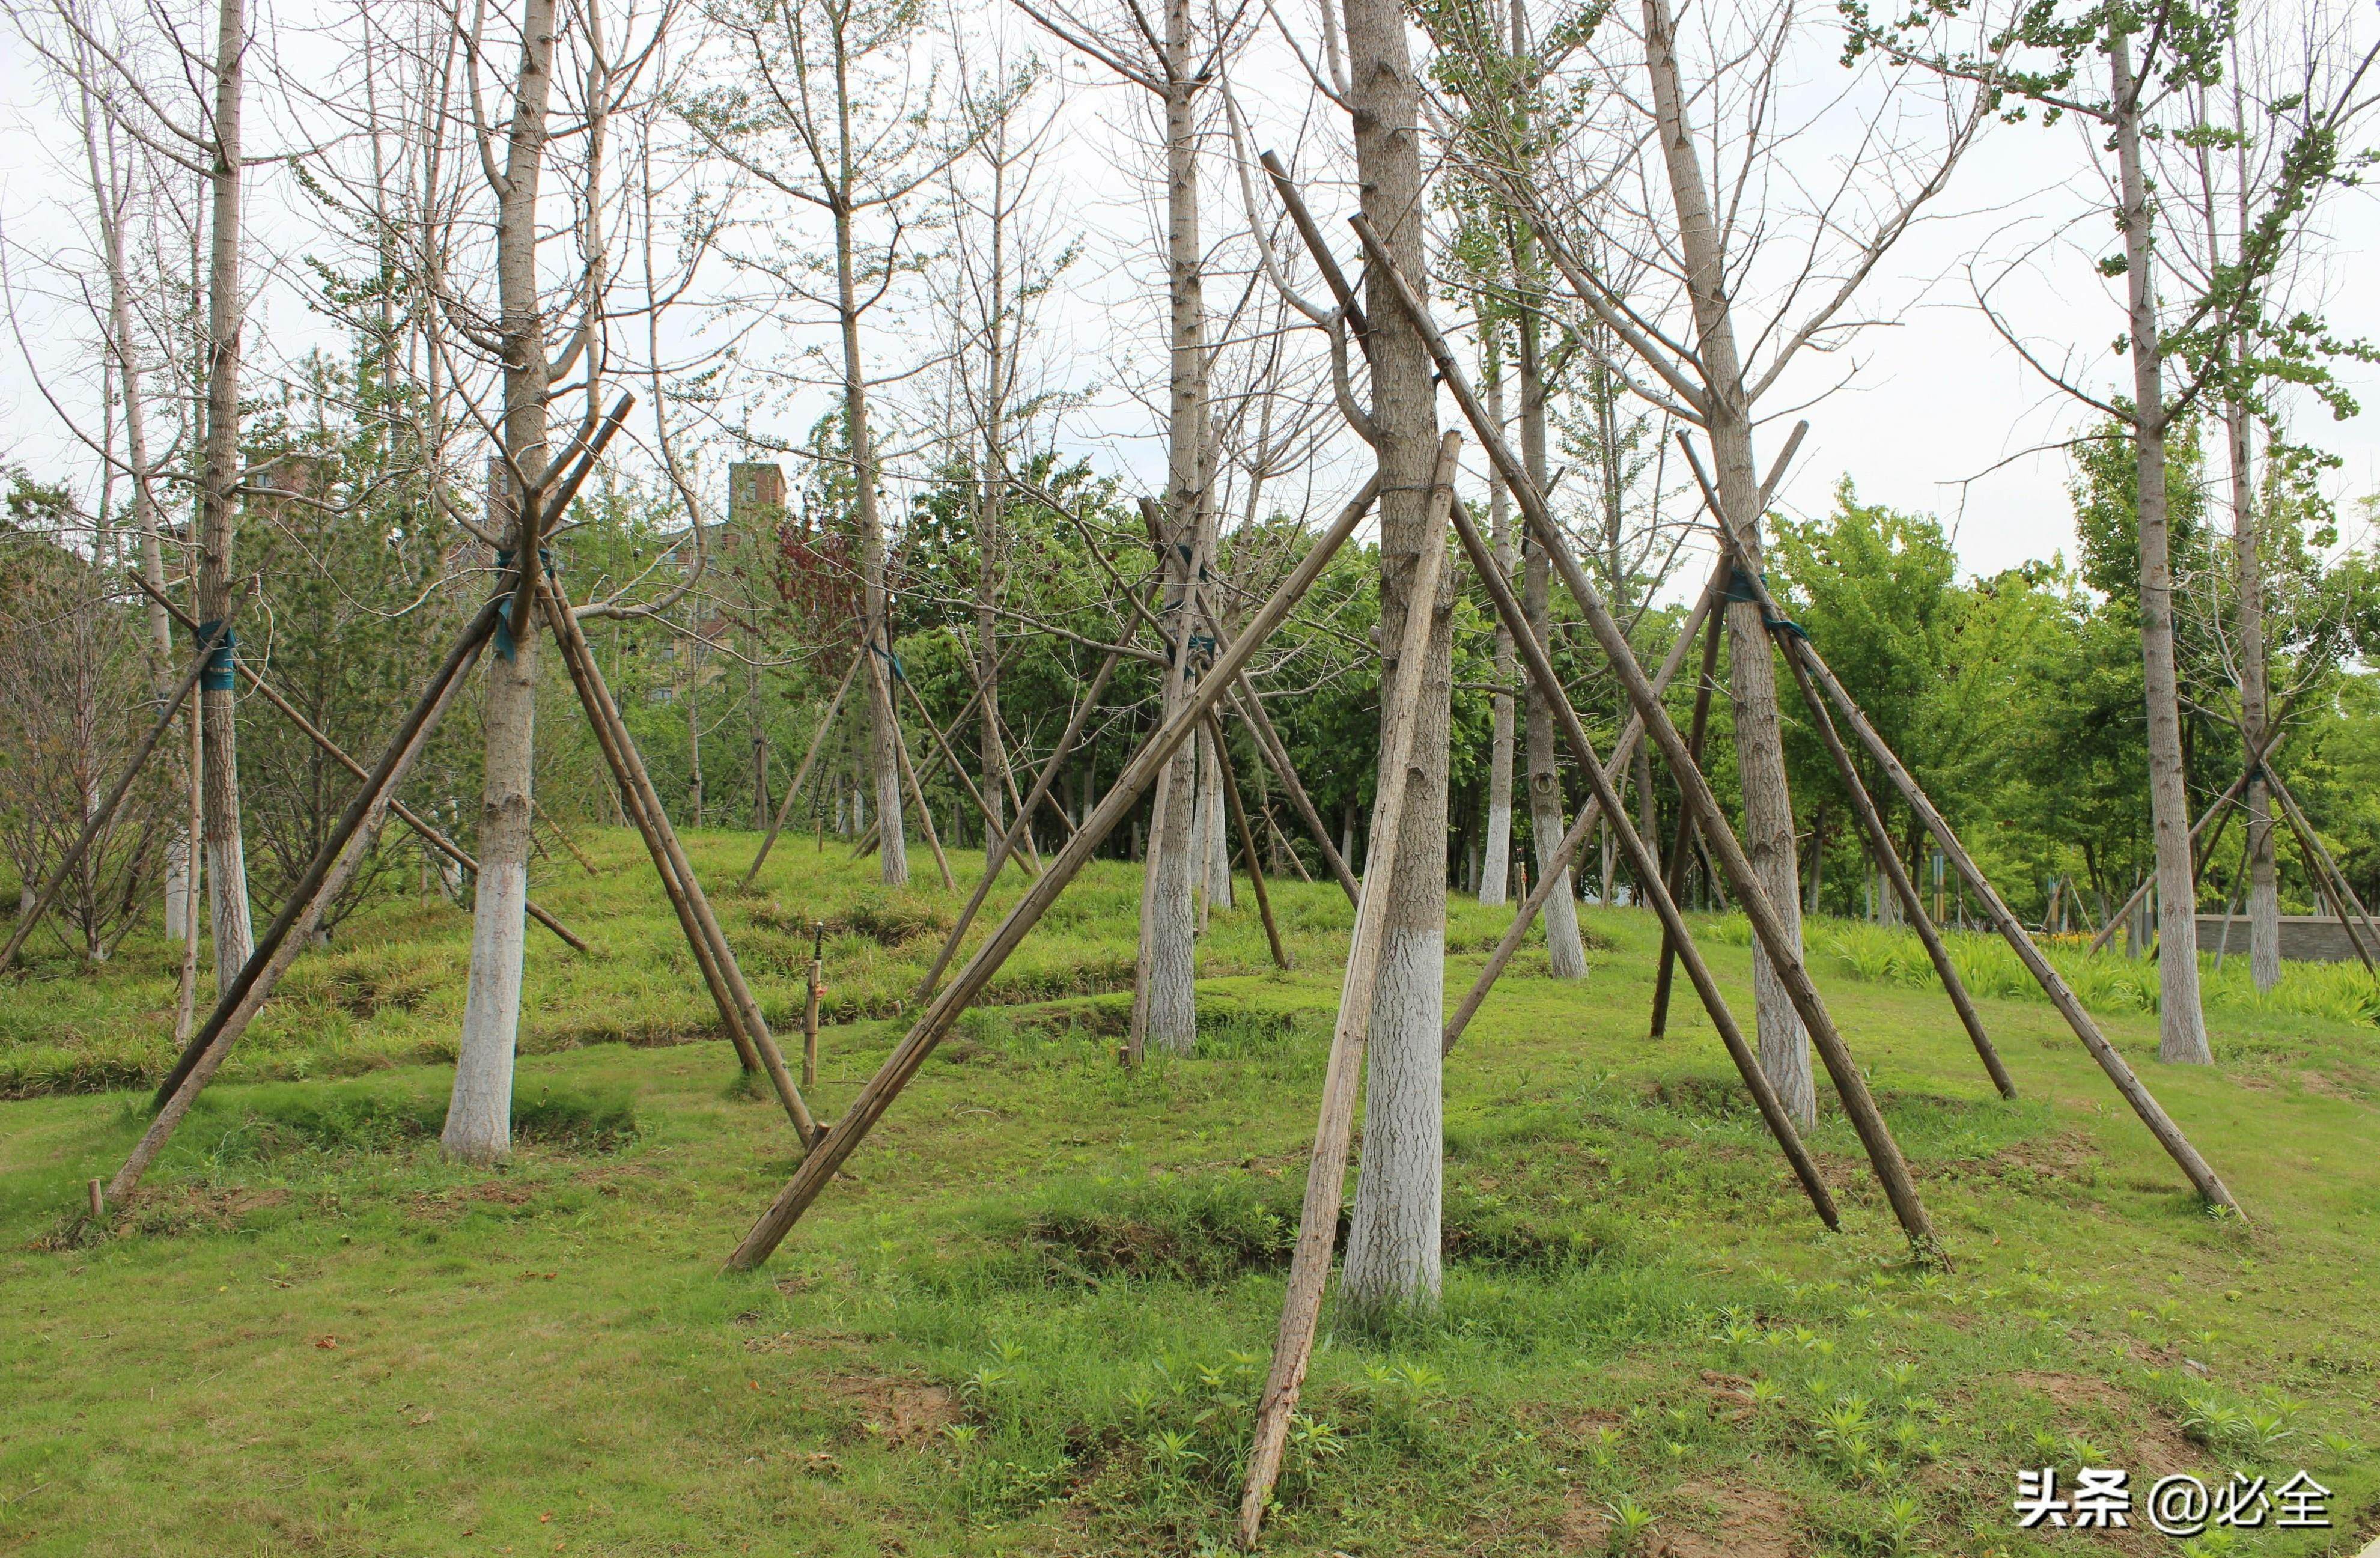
x=2255, y=694
x=2181, y=1022
x=1566, y=954
x=478, y=1117
x=1496, y=862
x=226, y=862
x=1393, y=1247
x=1169, y=997
x=1752, y=671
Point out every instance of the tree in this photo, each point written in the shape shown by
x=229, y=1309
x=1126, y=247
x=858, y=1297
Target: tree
x=2161, y=59
x=1392, y=1244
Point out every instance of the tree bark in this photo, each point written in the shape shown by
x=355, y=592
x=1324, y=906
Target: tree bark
x=1167, y=1008
x=2181, y=1022
x=226, y=856
x=478, y=1117
x=1768, y=832
x=1392, y=1246
x=1566, y=954
x=1495, y=863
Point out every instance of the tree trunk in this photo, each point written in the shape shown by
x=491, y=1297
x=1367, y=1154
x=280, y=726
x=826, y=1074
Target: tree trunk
x=2263, y=887
x=1393, y=1247
x=1495, y=863
x=1759, y=733
x=1169, y=1014
x=226, y=855
x=478, y=1117
x=1565, y=955
x=2181, y=1022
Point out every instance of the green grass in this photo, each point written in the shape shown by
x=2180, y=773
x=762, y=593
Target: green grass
x=1034, y=1314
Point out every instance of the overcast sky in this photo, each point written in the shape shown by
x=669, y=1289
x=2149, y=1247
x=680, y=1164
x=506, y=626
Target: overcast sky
x=1935, y=413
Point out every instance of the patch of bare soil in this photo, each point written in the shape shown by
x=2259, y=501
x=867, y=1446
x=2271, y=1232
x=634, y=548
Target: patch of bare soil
x=1733, y=1520
x=2152, y=1447
x=899, y=1411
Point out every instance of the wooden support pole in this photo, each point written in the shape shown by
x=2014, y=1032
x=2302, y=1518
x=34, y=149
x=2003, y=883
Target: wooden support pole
x=2144, y=1103
x=1247, y=843
x=97, y=822
x=1792, y=641
x=1676, y=863
x=1538, y=662
x=792, y=791
x=818, y=1169
x=1783, y=949
x=428, y=833
x=2219, y=808
x=917, y=789
x=874, y=834
x=1533, y=901
x=1275, y=754
x=810, y=1005
x=951, y=760
x=333, y=866
x=1288, y=850
x=1023, y=824
x=1334, y=1130
x=2325, y=871
x=729, y=990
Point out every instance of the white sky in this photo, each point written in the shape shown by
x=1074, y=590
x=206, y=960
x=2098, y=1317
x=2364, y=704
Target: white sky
x=1933, y=397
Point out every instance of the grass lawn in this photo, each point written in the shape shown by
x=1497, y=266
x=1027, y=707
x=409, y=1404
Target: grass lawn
x=1034, y=1316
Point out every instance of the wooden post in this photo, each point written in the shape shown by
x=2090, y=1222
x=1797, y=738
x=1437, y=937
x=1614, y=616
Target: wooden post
x=629, y=769
x=1022, y=825
x=951, y=760
x=333, y=866
x=1248, y=842
x=1325, y=1172
x=818, y=740
x=1784, y=954
x=2325, y=871
x=2219, y=808
x=810, y=1005
x=1533, y=898
x=1271, y=747
x=818, y=1169
x=1791, y=639
x=1538, y=662
x=98, y=1193
x=428, y=833
x=2144, y=1103
x=96, y=822
x=1680, y=844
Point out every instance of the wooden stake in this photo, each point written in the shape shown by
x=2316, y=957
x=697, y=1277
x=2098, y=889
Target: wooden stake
x=729, y=988
x=1676, y=864
x=97, y=822
x=428, y=833
x=818, y=1169
x=1022, y=826
x=811, y=1006
x=1605, y=777
x=1288, y=850
x=792, y=791
x=1275, y=754
x=1784, y=952
x=1325, y=1172
x=2144, y=1103
x=1247, y=843
x=1533, y=899
x=951, y=760
x=1791, y=639
x=97, y=1192
x=2325, y=871
x=334, y=864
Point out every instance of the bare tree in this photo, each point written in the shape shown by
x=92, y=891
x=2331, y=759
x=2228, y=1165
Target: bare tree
x=1713, y=281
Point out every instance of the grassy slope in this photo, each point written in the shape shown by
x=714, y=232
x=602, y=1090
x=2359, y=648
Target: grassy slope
x=1032, y=1318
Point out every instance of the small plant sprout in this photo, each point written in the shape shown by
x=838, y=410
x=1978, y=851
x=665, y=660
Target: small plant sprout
x=1630, y=1521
